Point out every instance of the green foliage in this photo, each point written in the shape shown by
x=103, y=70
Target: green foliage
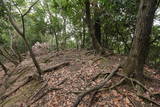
x=65, y=21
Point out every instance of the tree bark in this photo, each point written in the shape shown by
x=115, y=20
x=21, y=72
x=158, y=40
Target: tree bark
x=91, y=31
x=22, y=33
x=97, y=25
x=140, y=47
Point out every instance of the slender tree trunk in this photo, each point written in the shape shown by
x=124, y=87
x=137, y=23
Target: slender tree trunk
x=97, y=27
x=55, y=34
x=83, y=35
x=33, y=56
x=91, y=31
x=140, y=46
x=22, y=32
x=64, y=32
x=57, y=43
x=13, y=47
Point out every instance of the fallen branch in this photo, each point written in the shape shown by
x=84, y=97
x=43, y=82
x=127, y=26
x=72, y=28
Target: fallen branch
x=96, y=88
x=56, y=67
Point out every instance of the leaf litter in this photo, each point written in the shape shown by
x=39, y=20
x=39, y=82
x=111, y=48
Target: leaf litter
x=78, y=77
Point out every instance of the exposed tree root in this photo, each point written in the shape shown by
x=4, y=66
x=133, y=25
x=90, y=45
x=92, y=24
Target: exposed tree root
x=56, y=67
x=132, y=80
x=10, y=93
x=40, y=89
x=92, y=99
x=42, y=94
x=132, y=102
x=135, y=81
x=96, y=88
x=118, y=84
x=149, y=100
x=95, y=77
x=155, y=95
x=113, y=86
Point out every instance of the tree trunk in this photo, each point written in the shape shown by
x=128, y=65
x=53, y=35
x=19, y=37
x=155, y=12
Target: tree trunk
x=83, y=34
x=91, y=31
x=140, y=47
x=97, y=25
x=22, y=34
x=53, y=29
x=13, y=47
x=33, y=57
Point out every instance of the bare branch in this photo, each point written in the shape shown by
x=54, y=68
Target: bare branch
x=14, y=24
x=15, y=4
x=29, y=9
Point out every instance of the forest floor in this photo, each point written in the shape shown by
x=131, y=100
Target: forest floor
x=61, y=87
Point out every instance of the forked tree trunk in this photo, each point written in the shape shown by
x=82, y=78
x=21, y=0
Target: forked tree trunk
x=140, y=47
x=22, y=34
x=95, y=43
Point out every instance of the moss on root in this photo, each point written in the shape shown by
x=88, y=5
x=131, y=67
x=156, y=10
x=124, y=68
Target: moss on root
x=22, y=95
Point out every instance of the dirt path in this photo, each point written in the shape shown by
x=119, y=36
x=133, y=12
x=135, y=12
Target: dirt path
x=71, y=80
